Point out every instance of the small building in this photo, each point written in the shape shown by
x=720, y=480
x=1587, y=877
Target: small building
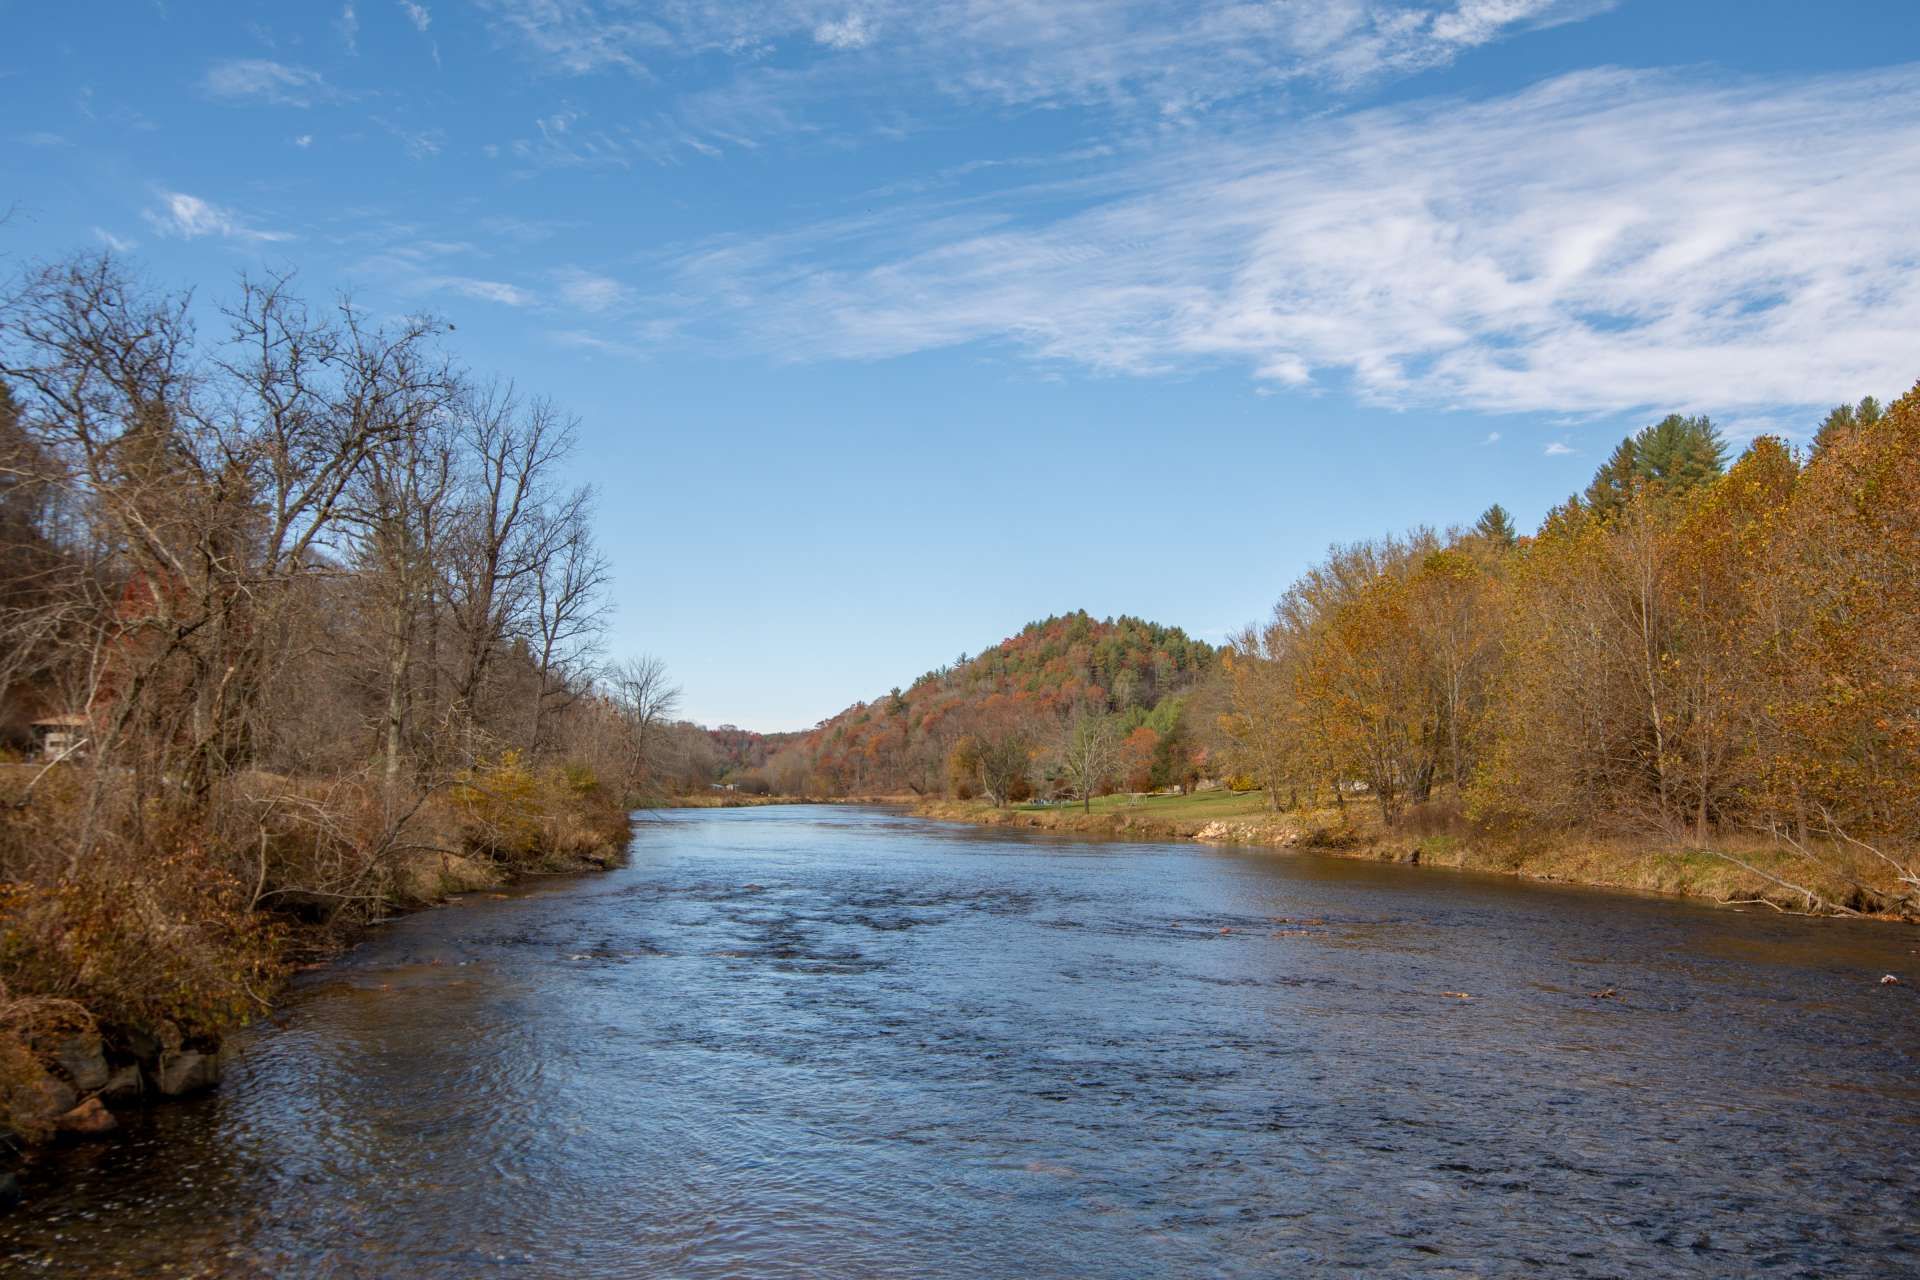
x=57, y=736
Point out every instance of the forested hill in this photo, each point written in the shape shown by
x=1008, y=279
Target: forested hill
x=1027, y=688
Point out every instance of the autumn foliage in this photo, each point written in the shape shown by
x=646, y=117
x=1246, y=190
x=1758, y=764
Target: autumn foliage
x=986, y=725
x=1709, y=656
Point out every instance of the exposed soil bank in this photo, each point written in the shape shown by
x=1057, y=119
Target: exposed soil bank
x=1644, y=865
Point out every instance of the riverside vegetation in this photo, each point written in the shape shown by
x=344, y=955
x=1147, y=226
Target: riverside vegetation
x=300, y=628
x=1693, y=678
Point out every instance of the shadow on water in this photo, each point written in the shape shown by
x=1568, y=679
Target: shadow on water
x=833, y=1042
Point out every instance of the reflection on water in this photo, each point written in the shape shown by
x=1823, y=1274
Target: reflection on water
x=829, y=1042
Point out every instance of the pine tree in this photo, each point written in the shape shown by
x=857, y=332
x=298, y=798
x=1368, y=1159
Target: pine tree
x=1672, y=456
x=1843, y=420
x=1496, y=526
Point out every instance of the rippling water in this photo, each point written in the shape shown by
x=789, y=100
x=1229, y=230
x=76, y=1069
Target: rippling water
x=841, y=1043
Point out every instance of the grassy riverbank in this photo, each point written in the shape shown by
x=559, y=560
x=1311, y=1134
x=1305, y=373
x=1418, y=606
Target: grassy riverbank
x=1643, y=864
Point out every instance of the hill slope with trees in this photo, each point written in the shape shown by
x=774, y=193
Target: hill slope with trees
x=998, y=723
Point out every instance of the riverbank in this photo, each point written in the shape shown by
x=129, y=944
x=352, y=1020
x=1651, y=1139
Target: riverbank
x=122, y=976
x=1643, y=865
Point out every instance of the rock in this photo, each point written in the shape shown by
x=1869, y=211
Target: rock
x=88, y=1120
x=84, y=1061
x=124, y=1085
x=187, y=1071
x=1889, y=981
x=41, y=1102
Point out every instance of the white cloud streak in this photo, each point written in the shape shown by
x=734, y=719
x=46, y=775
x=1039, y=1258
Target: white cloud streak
x=188, y=217
x=1603, y=242
x=589, y=292
x=483, y=290
x=1170, y=56
x=263, y=80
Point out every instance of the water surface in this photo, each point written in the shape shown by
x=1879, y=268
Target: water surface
x=815, y=1042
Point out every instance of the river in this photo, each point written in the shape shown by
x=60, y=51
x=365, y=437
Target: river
x=834, y=1042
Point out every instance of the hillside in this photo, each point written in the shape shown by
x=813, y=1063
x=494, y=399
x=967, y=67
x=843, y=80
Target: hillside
x=1023, y=692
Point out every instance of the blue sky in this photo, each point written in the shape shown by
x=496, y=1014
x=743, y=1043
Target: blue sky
x=892, y=326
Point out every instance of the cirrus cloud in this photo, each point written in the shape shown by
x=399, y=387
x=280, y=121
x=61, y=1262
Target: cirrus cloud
x=263, y=80
x=1601, y=242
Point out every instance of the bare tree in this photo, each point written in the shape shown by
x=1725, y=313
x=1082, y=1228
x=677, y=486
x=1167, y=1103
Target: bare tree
x=1089, y=753
x=646, y=700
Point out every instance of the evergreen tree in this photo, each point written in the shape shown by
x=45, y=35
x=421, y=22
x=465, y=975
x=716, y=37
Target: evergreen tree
x=1672, y=456
x=1496, y=526
x=1843, y=420
x=1613, y=482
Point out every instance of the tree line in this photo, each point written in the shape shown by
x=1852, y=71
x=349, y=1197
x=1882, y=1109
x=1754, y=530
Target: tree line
x=1705, y=652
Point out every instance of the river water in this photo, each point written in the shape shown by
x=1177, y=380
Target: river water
x=827, y=1042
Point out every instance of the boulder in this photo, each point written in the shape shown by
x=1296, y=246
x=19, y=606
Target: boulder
x=38, y=1103
x=186, y=1071
x=123, y=1085
x=84, y=1061
x=88, y=1120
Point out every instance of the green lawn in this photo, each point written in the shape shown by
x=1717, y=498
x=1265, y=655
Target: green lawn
x=1201, y=804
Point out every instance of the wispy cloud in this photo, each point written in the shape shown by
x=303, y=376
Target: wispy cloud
x=263, y=80
x=1602, y=242
x=590, y=292
x=484, y=290
x=189, y=218
x=1032, y=52
x=348, y=26
x=1557, y=450
x=850, y=32
x=119, y=244
x=417, y=14
x=420, y=144
x=1493, y=438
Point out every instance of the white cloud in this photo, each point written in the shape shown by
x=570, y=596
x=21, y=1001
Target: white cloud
x=484, y=290
x=1601, y=242
x=1493, y=437
x=1035, y=52
x=417, y=14
x=119, y=244
x=264, y=80
x=304, y=141
x=590, y=292
x=1557, y=450
x=850, y=32
x=189, y=217
x=349, y=28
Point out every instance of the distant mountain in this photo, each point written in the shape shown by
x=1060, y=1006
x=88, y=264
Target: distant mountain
x=1031, y=683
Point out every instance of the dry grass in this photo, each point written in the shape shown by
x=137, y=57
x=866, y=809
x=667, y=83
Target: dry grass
x=178, y=921
x=1436, y=835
